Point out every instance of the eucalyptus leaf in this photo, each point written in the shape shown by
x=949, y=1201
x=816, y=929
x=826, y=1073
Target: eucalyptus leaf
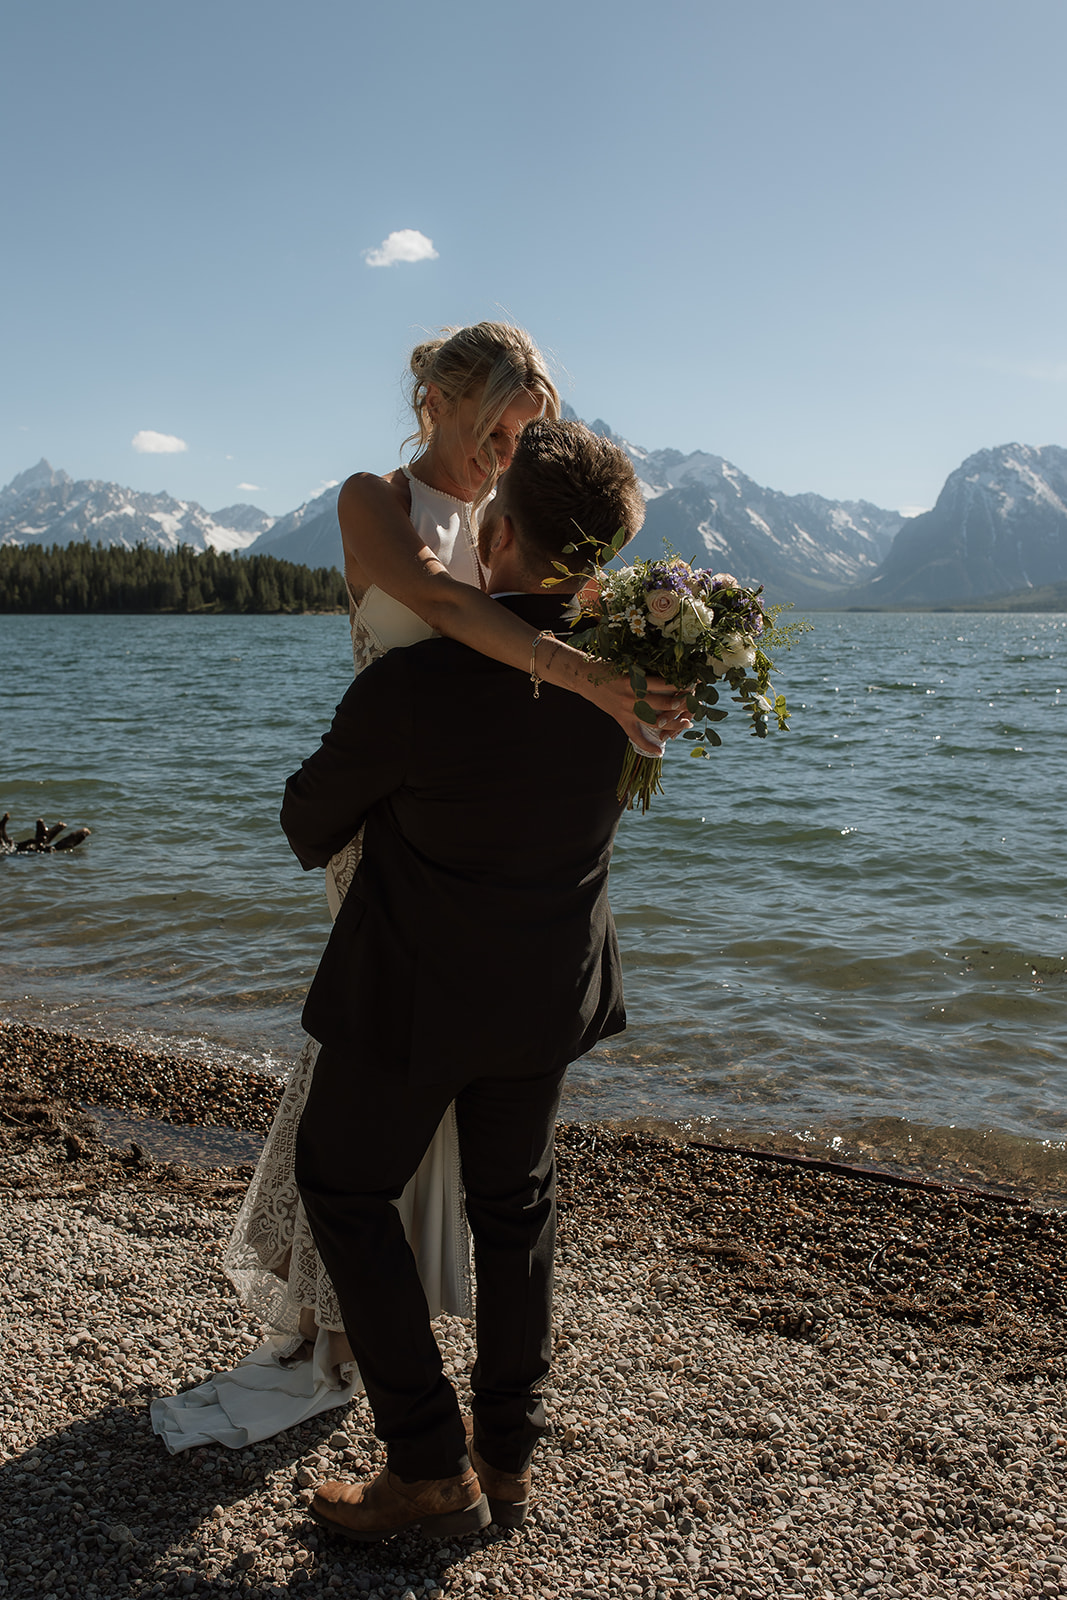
x=645, y=711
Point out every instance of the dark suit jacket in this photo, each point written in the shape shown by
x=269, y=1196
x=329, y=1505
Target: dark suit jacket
x=476, y=938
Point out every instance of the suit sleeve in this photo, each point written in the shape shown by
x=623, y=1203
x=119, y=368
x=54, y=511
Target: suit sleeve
x=360, y=760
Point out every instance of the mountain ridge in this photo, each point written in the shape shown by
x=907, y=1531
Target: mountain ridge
x=802, y=548
x=998, y=527
x=44, y=505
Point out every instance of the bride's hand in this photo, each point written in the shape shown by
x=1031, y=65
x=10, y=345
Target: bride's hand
x=613, y=694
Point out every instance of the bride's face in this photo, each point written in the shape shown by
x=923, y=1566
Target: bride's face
x=455, y=445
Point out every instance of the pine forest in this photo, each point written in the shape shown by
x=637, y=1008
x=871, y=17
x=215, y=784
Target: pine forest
x=91, y=577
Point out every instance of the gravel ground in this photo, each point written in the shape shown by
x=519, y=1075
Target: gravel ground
x=768, y=1380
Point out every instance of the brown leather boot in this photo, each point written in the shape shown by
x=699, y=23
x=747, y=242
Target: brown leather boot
x=508, y=1493
x=387, y=1505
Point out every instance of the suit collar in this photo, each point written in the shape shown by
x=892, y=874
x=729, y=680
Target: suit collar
x=540, y=610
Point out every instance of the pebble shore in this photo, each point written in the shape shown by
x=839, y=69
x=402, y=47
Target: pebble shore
x=768, y=1381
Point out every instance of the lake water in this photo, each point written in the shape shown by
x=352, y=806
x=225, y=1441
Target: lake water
x=851, y=938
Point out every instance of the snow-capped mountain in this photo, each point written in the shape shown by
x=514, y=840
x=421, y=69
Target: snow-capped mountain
x=999, y=526
x=800, y=547
x=310, y=535
x=43, y=506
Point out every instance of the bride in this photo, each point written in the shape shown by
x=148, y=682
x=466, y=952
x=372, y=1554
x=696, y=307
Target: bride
x=411, y=568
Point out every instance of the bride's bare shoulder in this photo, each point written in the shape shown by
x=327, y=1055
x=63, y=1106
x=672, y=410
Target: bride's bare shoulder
x=367, y=491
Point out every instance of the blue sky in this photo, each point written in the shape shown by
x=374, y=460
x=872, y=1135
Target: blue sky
x=823, y=238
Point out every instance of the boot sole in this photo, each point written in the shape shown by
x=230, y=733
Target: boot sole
x=470, y=1520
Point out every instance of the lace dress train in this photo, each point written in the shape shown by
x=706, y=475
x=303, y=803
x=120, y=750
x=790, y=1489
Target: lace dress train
x=306, y=1364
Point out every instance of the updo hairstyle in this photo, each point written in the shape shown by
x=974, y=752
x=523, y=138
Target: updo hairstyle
x=495, y=355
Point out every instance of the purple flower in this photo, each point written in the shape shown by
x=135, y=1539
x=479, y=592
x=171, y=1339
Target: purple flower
x=665, y=575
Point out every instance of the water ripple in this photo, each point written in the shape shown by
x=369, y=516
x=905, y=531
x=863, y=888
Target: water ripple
x=855, y=933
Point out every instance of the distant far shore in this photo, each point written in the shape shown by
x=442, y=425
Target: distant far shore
x=178, y=611
x=975, y=607
x=84, y=579
x=1046, y=598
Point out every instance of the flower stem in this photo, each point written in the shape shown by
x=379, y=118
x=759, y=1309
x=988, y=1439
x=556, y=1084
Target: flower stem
x=640, y=779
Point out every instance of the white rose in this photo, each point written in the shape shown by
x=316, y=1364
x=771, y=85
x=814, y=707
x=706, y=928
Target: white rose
x=726, y=578
x=735, y=651
x=693, y=619
x=662, y=605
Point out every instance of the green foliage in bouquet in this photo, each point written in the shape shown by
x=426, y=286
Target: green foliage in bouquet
x=700, y=630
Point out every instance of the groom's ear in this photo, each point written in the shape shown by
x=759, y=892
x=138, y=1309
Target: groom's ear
x=495, y=536
x=503, y=536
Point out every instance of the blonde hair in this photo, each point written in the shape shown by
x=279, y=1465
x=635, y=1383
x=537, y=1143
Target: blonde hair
x=495, y=357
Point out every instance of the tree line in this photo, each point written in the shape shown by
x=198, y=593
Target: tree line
x=93, y=577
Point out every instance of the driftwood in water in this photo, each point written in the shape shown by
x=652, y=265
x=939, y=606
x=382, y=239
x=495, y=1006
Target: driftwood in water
x=45, y=841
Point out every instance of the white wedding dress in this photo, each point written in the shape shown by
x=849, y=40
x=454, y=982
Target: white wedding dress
x=305, y=1366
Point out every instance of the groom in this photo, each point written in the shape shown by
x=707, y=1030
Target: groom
x=473, y=959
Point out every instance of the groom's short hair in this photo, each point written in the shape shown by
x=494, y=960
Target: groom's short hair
x=565, y=484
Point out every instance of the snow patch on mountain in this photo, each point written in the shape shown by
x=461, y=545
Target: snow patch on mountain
x=801, y=547
x=999, y=526
x=45, y=506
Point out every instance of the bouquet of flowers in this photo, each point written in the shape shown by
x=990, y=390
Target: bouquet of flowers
x=699, y=630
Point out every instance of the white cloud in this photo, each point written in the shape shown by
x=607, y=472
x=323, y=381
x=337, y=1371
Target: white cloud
x=1035, y=371
x=1045, y=371
x=407, y=244
x=147, y=443
x=912, y=511
x=253, y=486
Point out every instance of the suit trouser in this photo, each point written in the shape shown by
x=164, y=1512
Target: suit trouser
x=361, y=1138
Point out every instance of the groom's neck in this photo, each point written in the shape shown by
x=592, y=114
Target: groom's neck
x=508, y=577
